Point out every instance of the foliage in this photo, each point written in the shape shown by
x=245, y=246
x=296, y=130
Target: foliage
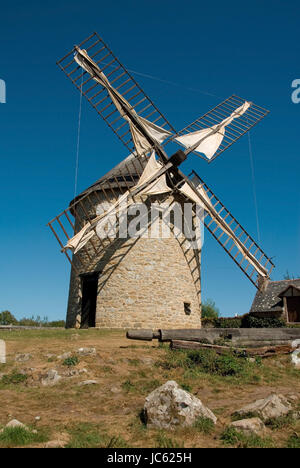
x=88, y=435
x=163, y=441
x=207, y=361
x=7, y=318
x=228, y=322
x=20, y=436
x=14, y=378
x=209, y=309
x=287, y=276
x=71, y=361
x=186, y=387
x=210, y=362
x=293, y=441
x=280, y=422
x=204, y=425
x=248, y=321
x=235, y=438
x=85, y=435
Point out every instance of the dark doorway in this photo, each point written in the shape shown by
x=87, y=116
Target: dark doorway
x=293, y=308
x=89, y=300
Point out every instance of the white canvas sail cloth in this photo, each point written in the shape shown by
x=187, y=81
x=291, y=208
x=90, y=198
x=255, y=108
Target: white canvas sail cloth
x=211, y=138
x=156, y=187
x=205, y=203
x=154, y=132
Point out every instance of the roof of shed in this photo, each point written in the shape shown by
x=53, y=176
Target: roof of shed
x=269, y=300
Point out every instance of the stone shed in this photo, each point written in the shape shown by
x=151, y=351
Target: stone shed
x=279, y=299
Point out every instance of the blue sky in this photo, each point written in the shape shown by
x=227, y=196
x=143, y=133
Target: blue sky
x=208, y=51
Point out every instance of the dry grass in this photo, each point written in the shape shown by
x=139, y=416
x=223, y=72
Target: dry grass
x=108, y=414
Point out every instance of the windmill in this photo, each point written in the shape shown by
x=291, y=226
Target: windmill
x=147, y=173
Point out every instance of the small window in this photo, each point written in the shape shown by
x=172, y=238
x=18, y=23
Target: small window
x=187, y=308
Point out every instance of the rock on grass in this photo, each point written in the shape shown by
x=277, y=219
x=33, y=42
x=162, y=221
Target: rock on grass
x=169, y=406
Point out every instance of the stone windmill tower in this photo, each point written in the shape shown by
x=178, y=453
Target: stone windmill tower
x=123, y=277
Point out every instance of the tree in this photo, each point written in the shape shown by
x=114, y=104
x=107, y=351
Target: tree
x=209, y=309
x=7, y=318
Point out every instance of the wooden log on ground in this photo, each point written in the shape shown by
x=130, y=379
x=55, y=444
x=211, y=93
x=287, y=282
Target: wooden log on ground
x=267, y=335
x=144, y=335
x=264, y=351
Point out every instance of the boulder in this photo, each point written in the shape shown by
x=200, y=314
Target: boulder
x=51, y=378
x=249, y=426
x=23, y=357
x=169, y=406
x=16, y=423
x=53, y=444
x=64, y=356
x=271, y=407
x=88, y=382
x=115, y=389
x=86, y=351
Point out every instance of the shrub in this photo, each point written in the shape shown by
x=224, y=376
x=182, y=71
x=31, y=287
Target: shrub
x=57, y=324
x=7, y=318
x=249, y=321
x=14, y=378
x=209, y=309
x=20, y=436
x=230, y=322
x=71, y=361
x=210, y=362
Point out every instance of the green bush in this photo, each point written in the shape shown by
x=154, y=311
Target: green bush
x=209, y=309
x=211, y=363
x=71, y=361
x=20, y=436
x=7, y=318
x=14, y=378
x=224, y=322
x=249, y=321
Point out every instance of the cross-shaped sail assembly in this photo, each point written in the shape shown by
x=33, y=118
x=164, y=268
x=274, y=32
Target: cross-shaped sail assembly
x=116, y=96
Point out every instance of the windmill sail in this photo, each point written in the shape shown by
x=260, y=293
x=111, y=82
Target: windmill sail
x=228, y=232
x=114, y=93
x=145, y=134
x=221, y=127
x=211, y=138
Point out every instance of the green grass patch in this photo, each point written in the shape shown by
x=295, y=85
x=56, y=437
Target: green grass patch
x=71, y=361
x=282, y=421
x=234, y=438
x=164, y=441
x=20, y=436
x=142, y=387
x=293, y=441
x=87, y=435
x=14, y=378
x=204, y=425
x=206, y=361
